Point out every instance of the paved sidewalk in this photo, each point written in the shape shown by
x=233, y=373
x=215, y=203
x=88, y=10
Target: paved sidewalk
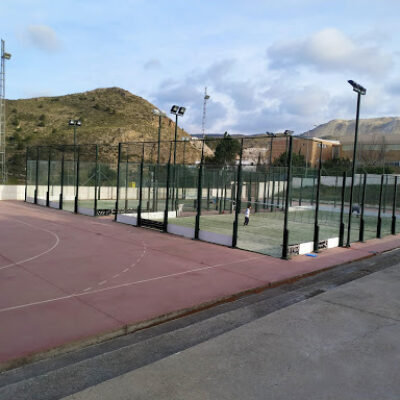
x=343, y=344
x=68, y=280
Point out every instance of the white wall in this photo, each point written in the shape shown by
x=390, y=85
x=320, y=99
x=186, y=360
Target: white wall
x=12, y=192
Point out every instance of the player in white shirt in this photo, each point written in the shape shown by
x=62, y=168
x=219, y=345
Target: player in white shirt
x=247, y=215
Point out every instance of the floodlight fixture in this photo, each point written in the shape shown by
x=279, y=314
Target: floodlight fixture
x=174, y=109
x=71, y=122
x=288, y=132
x=357, y=87
x=6, y=56
x=181, y=111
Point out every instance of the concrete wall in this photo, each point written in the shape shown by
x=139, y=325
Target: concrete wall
x=12, y=192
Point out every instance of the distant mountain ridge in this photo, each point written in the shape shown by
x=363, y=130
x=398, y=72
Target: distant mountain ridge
x=343, y=130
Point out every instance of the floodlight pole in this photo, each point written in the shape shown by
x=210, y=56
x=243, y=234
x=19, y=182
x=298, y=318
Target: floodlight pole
x=353, y=169
x=159, y=138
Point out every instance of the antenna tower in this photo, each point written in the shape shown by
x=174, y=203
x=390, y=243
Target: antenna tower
x=203, y=124
x=4, y=56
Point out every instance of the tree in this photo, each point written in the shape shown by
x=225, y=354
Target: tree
x=298, y=160
x=226, y=150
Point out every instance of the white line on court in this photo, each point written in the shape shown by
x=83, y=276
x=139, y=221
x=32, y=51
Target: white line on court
x=127, y=284
x=37, y=255
x=102, y=283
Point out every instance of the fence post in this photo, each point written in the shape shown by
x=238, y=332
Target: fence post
x=273, y=192
x=95, y=179
x=199, y=194
x=139, y=209
x=316, y=221
x=77, y=181
x=60, y=205
x=384, y=193
x=118, y=177
x=394, y=206
x=362, y=222
x=301, y=190
x=37, y=175
x=267, y=180
x=26, y=171
x=257, y=193
x=334, y=197
x=285, y=246
x=167, y=190
x=238, y=197
x=48, y=178
x=264, y=191
x=379, y=225
x=341, y=227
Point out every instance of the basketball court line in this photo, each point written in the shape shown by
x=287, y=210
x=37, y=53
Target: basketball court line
x=17, y=263
x=123, y=285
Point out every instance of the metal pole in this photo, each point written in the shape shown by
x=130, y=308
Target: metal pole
x=26, y=172
x=199, y=194
x=341, y=226
x=95, y=179
x=316, y=225
x=48, y=178
x=394, y=206
x=126, y=180
x=379, y=225
x=238, y=197
x=159, y=139
x=139, y=209
x=37, y=175
x=353, y=170
x=362, y=225
x=173, y=171
x=285, y=245
x=60, y=205
x=273, y=192
x=384, y=193
x=118, y=177
x=77, y=182
x=75, y=153
x=167, y=190
x=301, y=190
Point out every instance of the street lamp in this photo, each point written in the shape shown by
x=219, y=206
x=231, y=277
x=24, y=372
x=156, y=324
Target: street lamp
x=272, y=135
x=178, y=111
x=360, y=91
x=160, y=114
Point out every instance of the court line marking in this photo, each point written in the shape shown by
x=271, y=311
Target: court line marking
x=127, y=284
x=14, y=264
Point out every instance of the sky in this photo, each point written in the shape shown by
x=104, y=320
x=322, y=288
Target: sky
x=268, y=65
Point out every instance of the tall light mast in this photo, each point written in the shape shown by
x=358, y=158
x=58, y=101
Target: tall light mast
x=203, y=124
x=4, y=56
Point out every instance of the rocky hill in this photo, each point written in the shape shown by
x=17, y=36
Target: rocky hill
x=109, y=116
x=344, y=129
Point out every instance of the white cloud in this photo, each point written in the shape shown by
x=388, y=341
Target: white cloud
x=42, y=37
x=153, y=63
x=330, y=50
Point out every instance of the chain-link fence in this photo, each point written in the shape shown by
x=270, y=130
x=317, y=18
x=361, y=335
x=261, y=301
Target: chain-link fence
x=275, y=194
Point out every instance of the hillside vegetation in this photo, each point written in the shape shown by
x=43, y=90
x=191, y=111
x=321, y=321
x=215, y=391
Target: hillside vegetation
x=108, y=116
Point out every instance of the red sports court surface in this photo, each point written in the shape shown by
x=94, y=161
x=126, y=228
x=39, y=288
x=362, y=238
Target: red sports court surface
x=69, y=279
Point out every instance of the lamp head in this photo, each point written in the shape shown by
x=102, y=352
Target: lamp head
x=78, y=123
x=6, y=56
x=181, y=111
x=71, y=122
x=357, y=87
x=174, y=109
